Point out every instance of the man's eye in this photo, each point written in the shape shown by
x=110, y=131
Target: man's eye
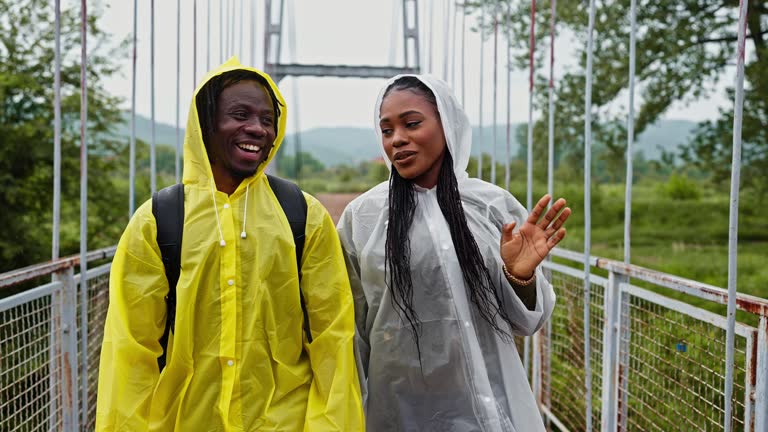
x=267, y=121
x=239, y=115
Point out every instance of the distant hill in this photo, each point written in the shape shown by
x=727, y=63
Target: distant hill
x=351, y=145
x=165, y=134
x=665, y=135
x=334, y=146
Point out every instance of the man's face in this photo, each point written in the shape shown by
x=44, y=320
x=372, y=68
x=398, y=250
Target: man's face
x=245, y=131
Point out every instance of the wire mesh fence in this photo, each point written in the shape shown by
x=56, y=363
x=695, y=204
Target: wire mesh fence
x=676, y=375
x=29, y=386
x=566, y=389
x=669, y=360
x=98, y=300
x=40, y=356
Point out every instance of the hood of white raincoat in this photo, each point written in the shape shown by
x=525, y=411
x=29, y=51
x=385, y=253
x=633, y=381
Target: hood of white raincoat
x=197, y=167
x=456, y=127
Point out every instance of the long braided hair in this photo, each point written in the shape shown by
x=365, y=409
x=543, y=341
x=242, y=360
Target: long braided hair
x=402, y=206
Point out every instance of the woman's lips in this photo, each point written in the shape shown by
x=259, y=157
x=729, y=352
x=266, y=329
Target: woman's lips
x=404, y=156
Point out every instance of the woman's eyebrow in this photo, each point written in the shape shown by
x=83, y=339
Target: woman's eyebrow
x=408, y=113
x=401, y=115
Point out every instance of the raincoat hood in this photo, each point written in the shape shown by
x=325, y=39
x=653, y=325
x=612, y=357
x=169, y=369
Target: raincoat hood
x=456, y=126
x=197, y=167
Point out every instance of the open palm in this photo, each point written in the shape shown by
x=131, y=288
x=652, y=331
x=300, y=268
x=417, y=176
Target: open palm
x=523, y=250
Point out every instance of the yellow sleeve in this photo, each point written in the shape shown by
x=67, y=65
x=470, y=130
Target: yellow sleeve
x=128, y=370
x=334, y=398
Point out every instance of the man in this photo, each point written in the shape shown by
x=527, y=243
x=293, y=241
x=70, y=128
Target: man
x=238, y=358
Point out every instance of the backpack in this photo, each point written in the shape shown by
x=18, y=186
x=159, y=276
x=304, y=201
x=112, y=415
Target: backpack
x=168, y=210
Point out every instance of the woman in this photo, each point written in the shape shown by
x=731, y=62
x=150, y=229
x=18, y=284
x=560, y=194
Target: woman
x=441, y=278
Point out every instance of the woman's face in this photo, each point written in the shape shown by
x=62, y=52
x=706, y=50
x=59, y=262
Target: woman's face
x=412, y=135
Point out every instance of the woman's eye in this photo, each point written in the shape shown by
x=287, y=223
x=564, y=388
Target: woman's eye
x=386, y=132
x=413, y=123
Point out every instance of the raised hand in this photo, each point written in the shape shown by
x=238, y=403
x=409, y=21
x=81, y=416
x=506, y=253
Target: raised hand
x=524, y=250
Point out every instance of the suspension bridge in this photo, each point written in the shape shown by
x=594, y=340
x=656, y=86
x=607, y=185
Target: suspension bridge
x=621, y=351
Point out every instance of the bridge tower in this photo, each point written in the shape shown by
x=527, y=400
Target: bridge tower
x=278, y=70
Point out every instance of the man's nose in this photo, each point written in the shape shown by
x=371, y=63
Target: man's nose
x=255, y=127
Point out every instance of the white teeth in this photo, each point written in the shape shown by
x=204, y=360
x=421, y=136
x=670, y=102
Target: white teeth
x=249, y=147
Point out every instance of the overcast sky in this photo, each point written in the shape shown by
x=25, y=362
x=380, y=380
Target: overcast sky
x=356, y=32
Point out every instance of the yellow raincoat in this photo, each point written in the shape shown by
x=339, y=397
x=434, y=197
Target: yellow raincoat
x=239, y=360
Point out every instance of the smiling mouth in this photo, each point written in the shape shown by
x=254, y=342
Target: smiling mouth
x=251, y=148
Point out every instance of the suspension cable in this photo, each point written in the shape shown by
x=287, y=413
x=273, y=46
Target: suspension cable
x=452, y=51
x=295, y=85
x=480, y=114
x=509, y=96
x=431, y=15
x=83, y=214
x=152, y=154
x=463, y=46
x=177, y=147
x=232, y=28
x=132, y=144
x=551, y=107
x=56, y=133
x=529, y=155
x=588, y=216
x=221, y=31
x=240, y=38
x=733, y=225
x=253, y=33
x=495, y=90
x=531, y=68
x=208, y=37
x=446, y=36
x=194, y=42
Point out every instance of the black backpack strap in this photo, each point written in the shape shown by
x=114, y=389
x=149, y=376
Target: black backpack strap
x=168, y=210
x=294, y=206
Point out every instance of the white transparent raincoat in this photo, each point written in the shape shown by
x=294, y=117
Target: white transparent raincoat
x=470, y=378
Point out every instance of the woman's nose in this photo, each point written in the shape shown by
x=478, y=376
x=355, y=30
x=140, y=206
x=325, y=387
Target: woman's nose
x=399, y=138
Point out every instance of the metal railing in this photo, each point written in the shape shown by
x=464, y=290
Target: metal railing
x=40, y=356
x=658, y=364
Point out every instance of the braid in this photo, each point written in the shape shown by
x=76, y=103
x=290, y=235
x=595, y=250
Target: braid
x=397, y=257
x=477, y=278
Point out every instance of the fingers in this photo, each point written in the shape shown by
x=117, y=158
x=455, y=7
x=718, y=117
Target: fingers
x=507, y=232
x=560, y=220
x=549, y=232
x=538, y=209
x=551, y=213
x=555, y=239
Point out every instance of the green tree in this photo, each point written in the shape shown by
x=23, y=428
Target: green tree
x=287, y=165
x=683, y=48
x=26, y=134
